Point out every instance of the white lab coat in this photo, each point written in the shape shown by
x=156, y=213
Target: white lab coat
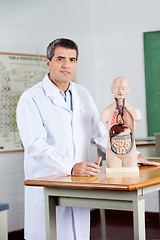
x=54, y=139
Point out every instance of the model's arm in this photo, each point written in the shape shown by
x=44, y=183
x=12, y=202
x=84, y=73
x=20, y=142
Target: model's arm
x=34, y=136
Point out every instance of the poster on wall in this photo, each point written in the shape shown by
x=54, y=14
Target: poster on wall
x=18, y=72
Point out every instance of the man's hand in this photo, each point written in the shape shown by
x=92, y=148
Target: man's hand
x=142, y=161
x=86, y=168
x=98, y=161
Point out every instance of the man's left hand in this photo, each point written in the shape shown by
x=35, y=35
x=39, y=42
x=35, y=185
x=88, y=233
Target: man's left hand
x=142, y=161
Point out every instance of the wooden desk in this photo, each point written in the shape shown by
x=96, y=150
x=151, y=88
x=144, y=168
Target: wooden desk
x=116, y=191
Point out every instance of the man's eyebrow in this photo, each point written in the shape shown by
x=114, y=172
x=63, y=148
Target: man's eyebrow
x=71, y=58
x=60, y=57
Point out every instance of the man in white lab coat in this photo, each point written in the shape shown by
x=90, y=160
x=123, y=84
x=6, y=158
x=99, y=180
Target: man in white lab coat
x=57, y=121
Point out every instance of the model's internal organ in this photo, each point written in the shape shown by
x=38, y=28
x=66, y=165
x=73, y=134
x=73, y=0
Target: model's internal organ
x=121, y=132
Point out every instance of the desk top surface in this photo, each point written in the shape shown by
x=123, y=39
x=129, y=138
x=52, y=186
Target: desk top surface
x=148, y=176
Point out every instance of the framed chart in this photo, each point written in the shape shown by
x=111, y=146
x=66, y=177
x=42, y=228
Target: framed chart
x=18, y=72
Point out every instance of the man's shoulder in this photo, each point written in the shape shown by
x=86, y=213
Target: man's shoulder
x=37, y=88
x=34, y=90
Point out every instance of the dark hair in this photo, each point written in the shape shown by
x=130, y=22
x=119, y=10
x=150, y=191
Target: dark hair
x=62, y=42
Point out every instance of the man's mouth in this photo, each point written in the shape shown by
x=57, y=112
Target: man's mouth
x=65, y=73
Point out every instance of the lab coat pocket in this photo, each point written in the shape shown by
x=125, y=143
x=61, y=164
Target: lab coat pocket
x=38, y=196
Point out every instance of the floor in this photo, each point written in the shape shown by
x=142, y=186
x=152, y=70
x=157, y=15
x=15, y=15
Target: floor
x=119, y=225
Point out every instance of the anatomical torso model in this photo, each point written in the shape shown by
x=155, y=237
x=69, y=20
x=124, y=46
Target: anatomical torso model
x=120, y=117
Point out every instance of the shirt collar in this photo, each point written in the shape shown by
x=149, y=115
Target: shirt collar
x=69, y=89
x=52, y=91
x=50, y=88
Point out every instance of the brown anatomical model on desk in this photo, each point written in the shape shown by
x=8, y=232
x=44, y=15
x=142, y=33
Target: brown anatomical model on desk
x=120, y=117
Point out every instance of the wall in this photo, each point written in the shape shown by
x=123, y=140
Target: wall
x=110, y=40
x=12, y=188
x=121, y=54
x=118, y=48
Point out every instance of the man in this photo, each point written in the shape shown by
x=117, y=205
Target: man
x=57, y=121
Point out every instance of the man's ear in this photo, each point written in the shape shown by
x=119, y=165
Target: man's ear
x=48, y=62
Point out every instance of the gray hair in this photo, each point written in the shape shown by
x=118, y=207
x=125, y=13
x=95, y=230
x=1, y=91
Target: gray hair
x=61, y=42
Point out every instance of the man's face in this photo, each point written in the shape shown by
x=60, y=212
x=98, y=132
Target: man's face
x=62, y=66
x=120, y=88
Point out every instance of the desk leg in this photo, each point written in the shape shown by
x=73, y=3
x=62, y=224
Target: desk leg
x=103, y=224
x=159, y=200
x=139, y=220
x=159, y=208
x=50, y=217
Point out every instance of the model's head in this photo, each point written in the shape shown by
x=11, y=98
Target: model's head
x=61, y=42
x=120, y=87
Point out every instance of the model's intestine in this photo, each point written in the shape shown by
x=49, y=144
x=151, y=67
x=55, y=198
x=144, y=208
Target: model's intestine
x=121, y=129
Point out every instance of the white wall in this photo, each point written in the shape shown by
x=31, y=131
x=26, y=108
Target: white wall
x=121, y=54
x=124, y=15
x=118, y=28
x=12, y=188
x=110, y=39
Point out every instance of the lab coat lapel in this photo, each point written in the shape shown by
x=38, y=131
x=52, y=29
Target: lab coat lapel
x=53, y=93
x=59, y=101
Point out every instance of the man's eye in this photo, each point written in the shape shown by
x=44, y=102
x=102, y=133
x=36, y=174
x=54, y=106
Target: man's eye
x=59, y=59
x=73, y=60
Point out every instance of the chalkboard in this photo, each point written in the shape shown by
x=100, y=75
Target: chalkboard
x=152, y=80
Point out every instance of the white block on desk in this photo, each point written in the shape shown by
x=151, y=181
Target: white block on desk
x=123, y=170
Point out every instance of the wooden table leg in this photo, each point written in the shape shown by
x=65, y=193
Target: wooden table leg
x=50, y=217
x=139, y=219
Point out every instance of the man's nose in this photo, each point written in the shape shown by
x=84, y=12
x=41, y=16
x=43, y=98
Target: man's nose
x=65, y=63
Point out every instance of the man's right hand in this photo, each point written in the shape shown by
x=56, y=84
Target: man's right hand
x=86, y=168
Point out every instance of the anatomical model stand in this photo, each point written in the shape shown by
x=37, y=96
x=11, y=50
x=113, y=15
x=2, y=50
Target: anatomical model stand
x=120, y=117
